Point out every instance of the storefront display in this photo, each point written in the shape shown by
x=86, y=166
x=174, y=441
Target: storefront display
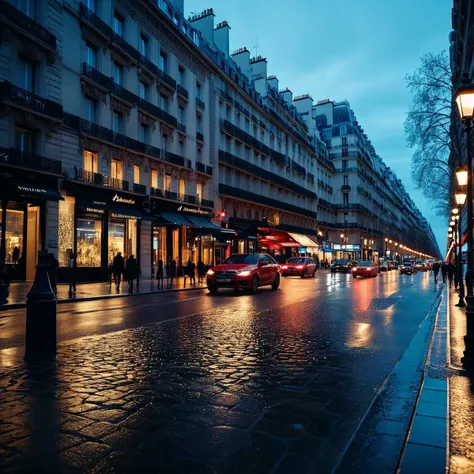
x=14, y=234
x=65, y=229
x=159, y=245
x=88, y=242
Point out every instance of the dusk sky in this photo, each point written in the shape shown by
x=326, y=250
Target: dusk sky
x=342, y=49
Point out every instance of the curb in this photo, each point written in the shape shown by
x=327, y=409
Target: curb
x=12, y=306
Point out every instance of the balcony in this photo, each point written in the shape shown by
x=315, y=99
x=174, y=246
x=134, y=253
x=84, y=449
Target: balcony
x=139, y=188
x=27, y=27
x=174, y=159
x=209, y=170
x=278, y=157
x=95, y=76
x=201, y=167
x=182, y=91
x=259, y=199
x=18, y=97
x=156, y=192
x=181, y=127
x=93, y=20
x=116, y=183
x=124, y=94
x=345, y=188
x=166, y=79
x=199, y=136
x=170, y=195
x=200, y=103
x=298, y=168
x=98, y=179
x=236, y=132
x=127, y=48
x=158, y=113
x=207, y=203
x=15, y=157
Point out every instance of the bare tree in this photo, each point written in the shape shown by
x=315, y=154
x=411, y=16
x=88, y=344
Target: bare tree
x=431, y=130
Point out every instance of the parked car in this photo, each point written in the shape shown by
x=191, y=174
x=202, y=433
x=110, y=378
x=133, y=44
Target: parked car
x=244, y=271
x=299, y=266
x=392, y=265
x=341, y=265
x=384, y=267
x=407, y=268
x=365, y=268
x=420, y=266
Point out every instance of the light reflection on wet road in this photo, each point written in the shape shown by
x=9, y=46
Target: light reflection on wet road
x=222, y=384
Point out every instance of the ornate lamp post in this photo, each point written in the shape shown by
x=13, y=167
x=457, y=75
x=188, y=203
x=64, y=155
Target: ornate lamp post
x=465, y=101
x=460, y=200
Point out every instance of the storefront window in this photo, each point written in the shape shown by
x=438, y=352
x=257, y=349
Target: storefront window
x=207, y=246
x=116, y=240
x=13, y=235
x=131, y=238
x=188, y=252
x=65, y=229
x=88, y=234
x=175, y=248
x=159, y=245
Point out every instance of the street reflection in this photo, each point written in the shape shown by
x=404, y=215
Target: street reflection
x=360, y=335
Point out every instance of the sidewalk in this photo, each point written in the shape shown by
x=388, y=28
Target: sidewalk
x=92, y=291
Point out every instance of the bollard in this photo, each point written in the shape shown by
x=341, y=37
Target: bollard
x=40, y=339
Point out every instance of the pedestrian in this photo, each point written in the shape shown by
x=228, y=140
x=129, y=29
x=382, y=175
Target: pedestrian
x=436, y=267
x=131, y=271
x=316, y=262
x=16, y=255
x=118, y=267
x=159, y=274
x=444, y=271
x=72, y=266
x=172, y=271
x=451, y=272
x=201, y=268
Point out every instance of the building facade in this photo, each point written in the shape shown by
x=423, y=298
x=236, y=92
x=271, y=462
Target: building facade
x=127, y=128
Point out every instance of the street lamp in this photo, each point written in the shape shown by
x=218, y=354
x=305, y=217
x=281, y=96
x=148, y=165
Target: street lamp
x=460, y=197
x=464, y=98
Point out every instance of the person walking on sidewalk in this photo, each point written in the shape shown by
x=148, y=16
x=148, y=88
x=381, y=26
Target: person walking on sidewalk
x=191, y=273
x=118, y=266
x=159, y=274
x=451, y=273
x=131, y=271
x=436, y=268
x=72, y=266
x=201, y=268
x=444, y=271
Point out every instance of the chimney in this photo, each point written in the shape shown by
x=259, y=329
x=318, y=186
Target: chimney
x=304, y=106
x=241, y=57
x=204, y=22
x=287, y=96
x=259, y=74
x=272, y=81
x=221, y=37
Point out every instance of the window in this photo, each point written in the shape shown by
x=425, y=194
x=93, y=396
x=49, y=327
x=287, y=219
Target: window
x=181, y=151
x=91, y=161
x=163, y=61
x=168, y=183
x=143, y=133
x=118, y=122
x=144, y=89
x=345, y=153
x=91, y=54
x=164, y=143
x=164, y=102
x=118, y=73
x=24, y=139
x=136, y=174
x=199, y=154
x=90, y=109
x=346, y=215
x=154, y=178
x=346, y=180
x=344, y=165
x=199, y=122
x=344, y=141
x=88, y=238
x=144, y=45
x=343, y=130
x=198, y=91
x=91, y=5
x=181, y=115
x=346, y=199
x=119, y=24
x=199, y=191
x=182, y=188
x=181, y=75
x=116, y=169
x=28, y=7
x=26, y=75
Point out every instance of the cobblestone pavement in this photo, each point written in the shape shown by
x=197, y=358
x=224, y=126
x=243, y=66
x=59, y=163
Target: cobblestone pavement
x=228, y=390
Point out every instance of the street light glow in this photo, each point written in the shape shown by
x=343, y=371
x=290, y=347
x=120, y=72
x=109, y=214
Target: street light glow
x=465, y=101
x=460, y=198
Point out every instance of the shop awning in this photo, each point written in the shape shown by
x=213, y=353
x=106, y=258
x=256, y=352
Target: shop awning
x=303, y=240
x=29, y=190
x=204, y=222
x=174, y=218
x=124, y=212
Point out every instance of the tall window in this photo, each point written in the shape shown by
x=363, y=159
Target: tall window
x=199, y=122
x=24, y=139
x=181, y=115
x=118, y=73
x=346, y=199
x=91, y=161
x=144, y=89
x=26, y=74
x=181, y=151
x=154, y=178
x=136, y=174
x=91, y=54
x=143, y=133
x=346, y=180
x=164, y=143
x=182, y=187
x=119, y=24
x=163, y=61
x=90, y=109
x=344, y=141
x=118, y=122
x=28, y=7
x=198, y=91
x=168, y=183
x=164, y=102
x=144, y=45
x=199, y=191
x=344, y=165
x=199, y=154
x=116, y=169
x=181, y=75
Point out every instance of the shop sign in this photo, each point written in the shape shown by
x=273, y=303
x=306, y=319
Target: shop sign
x=93, y=210
x=123, y=200
x=116, y=215
x=32, y=190
x=195, y=210
x=349, y=247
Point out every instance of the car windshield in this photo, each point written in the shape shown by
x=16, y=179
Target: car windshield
x=297, y=260
x=364, y=263
x=242, y=258
x=340, y=261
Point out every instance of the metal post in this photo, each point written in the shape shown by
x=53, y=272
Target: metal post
x=461, y=302
x=469, y=338
x=4, y=283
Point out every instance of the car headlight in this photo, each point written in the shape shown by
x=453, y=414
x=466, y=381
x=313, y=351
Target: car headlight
x=369, y=268
x=354, y=269
x=245, y=273
x=210, y=272
x=284, y=267
x=299, y=266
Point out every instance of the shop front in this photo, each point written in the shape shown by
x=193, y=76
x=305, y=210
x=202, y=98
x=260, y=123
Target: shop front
x=284, y=245
x=348, y=251
x=97, y=224
x=24, y=199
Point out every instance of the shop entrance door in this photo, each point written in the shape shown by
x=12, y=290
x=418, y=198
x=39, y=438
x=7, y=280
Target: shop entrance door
x=32, y=241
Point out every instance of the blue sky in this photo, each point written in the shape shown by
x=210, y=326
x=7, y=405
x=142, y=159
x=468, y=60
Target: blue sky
x=345, y=49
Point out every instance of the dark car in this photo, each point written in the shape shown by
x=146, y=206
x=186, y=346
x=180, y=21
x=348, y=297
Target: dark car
x=407, y=268
x=341, y=265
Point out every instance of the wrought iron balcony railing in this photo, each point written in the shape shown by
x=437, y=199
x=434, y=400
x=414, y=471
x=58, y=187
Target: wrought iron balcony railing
x=166, y=79
x=200, y=103
x=201, y=167
x=181, y=127
x=199, y=136
x=96, y=76
x=182, y=91
x=139, y=188
x=16, y=157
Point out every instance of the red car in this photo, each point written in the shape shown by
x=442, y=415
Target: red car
x=244, y=271
x=299, y=266
x=365, y=268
